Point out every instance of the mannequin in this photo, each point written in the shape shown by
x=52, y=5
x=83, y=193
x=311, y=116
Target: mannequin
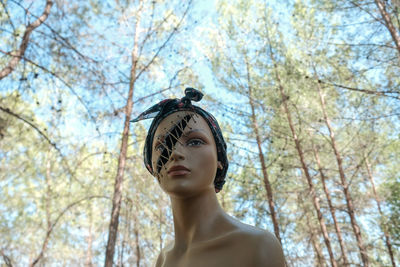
x=188, y=158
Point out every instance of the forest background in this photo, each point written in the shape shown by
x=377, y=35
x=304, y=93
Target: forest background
x=307, y=92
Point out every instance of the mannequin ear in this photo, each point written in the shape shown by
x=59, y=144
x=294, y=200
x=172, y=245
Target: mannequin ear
x=219, y=164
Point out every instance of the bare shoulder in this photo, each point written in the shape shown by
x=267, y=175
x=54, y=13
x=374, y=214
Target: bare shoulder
x=268, y=250
x=263, y=246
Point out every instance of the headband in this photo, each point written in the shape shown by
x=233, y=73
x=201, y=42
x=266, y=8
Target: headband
x=168, y=106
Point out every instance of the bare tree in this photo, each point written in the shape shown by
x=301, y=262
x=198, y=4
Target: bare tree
x=267, y=183
x=135, y=73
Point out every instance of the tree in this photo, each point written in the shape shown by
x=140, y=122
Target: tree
x=137, y=69
x=239, y=75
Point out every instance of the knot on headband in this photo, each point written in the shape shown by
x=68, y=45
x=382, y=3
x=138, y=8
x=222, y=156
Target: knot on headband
x=191, y=94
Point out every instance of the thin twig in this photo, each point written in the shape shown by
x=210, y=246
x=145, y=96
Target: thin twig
x=17, y=55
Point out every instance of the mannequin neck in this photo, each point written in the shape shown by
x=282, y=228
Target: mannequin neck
x=196, y=218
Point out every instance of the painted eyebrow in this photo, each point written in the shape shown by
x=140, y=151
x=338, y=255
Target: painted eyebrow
x=193, y=131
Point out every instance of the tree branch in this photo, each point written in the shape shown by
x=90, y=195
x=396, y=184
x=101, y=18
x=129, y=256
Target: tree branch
x=65, y=83
x=50, y=229
x=17, y=55
x=8, y=15
x=389, y=24
x=365, y=91
x=165, y=42
x=8, y=111
x=41, y=133
x=6, y=259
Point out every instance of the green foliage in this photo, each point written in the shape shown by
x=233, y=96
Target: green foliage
x=394, y=205
x=62, y=117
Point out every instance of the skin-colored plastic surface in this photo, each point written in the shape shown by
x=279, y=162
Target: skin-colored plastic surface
x=205, y=235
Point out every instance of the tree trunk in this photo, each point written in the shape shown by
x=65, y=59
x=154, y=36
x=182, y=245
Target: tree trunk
x=378, y=204
x=331, y=207
x=317, y=248
x=137, y=237
x=48, y=214
x=308, y=177
x=344, y=184
x=17, y=55
x=126, y=235
x=389, y=24
x=318, y=252
x=301, y=156
x=267, y=184
x=117, y=198
x=307, y=174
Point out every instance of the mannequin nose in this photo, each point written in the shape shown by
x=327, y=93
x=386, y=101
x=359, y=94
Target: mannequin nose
x=177, y=153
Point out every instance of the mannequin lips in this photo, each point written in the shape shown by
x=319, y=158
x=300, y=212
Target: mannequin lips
x=178, y=170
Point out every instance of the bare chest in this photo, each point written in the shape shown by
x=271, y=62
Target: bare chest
x=211, y=254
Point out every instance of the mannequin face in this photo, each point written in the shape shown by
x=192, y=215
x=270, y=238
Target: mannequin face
x=184, y=155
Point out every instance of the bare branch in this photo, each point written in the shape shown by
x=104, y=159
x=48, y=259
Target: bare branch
x=8, y=15
x=8, y=111
x=389, y=24
x=41, y=133
x=65, y=83
x=165, y=42
x=6, y=259
x=17, y=55
x=365, y=91
x=50, y=229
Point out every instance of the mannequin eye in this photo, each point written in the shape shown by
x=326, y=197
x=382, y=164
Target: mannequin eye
x=195, y=142
x=159, y=147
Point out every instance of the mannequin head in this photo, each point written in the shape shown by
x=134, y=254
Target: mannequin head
x=174, y=126
x=184, y=154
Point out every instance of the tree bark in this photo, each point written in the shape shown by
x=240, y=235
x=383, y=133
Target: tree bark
x=267, y=183
x=128, y=213
x=300, y=153
x=317, y=249
x=344, y=184
x=137, y=237
x=389, y=24
x=306, y=173
x=378, y=204
x=17, y=55
x=117, y=198
x=331, y=207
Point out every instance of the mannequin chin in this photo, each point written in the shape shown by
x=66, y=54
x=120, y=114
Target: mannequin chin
x=204, y=234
